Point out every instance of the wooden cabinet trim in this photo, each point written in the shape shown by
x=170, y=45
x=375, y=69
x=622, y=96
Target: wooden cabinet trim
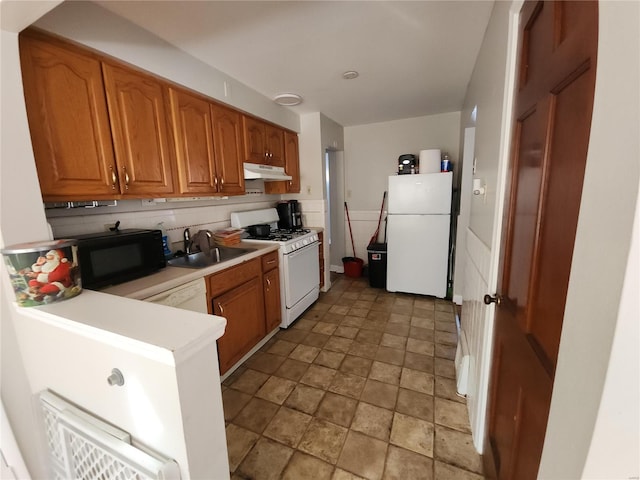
x=270, y=261
x=225, y=280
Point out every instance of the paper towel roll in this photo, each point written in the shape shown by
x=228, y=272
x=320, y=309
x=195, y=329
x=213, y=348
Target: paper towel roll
x=430, y=161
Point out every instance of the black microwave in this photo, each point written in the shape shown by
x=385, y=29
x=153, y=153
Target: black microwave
x=109, y=258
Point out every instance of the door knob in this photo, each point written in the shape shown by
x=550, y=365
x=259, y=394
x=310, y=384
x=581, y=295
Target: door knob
x=488, y=299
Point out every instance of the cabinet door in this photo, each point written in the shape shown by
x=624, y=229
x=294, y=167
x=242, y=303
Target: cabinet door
x=243, y=307
x=140, y=132
x=275, y=146
x=68, y=119
x=271, y=284
x=193, y=138
x=292, y=161
x=255, y=140
x=229, y=149
x=291, y=167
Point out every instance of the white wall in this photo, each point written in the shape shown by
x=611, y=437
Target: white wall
x=487, y=92
x=21, y=220
x=371, y=156
x=318, y=133
x=372, y=151
x=465, y=172
x=618, y=414
x=98, y=28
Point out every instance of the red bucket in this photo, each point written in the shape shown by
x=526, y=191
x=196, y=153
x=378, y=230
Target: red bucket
x=352, y=266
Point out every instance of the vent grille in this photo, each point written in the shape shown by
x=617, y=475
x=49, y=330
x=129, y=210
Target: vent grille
x=83, y=447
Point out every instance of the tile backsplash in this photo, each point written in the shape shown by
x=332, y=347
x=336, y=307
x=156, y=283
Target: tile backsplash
x=175, y=216
x=174, y=219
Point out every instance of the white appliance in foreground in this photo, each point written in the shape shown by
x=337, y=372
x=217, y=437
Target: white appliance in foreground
x=191, y=296
x=418, y=225
x=298, y=255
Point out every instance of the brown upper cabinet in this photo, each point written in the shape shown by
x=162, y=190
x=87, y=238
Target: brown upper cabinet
x=291, y=167
x=228, y=143
x=68, y=119
x=104, y=130
x=208, y=140
x=98, y=130
x=140, y=132
x=264, y=143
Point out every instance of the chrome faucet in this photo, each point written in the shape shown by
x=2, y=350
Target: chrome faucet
x=186, y=235
x=209, y=235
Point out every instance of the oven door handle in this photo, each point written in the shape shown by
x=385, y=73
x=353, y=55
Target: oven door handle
x=301, y=250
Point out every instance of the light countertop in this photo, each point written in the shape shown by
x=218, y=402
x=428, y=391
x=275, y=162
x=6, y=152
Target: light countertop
x=170, y=277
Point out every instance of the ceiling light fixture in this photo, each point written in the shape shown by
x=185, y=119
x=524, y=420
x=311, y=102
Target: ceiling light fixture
x=350, y=75
x=288, y=99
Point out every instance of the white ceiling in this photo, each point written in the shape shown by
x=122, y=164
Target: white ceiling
x=414, y=58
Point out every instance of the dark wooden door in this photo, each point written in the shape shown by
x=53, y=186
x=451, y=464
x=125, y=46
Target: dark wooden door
x=553, y=107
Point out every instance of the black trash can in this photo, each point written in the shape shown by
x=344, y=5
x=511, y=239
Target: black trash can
x=377, y=265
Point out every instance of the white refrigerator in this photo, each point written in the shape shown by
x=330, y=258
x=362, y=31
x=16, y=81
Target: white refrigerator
x=418, y=226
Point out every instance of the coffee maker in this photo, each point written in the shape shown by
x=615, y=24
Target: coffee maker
x=290, y=215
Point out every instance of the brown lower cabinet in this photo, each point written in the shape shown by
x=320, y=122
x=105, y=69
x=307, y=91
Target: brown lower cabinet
x=248, y=300
x=271, y=288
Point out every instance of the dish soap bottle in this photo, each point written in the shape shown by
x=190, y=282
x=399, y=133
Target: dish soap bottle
x=165, y=241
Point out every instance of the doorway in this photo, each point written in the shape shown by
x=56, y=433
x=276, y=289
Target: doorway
x=335, y=187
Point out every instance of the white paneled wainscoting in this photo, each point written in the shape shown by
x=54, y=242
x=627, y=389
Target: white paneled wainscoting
x=476, y=329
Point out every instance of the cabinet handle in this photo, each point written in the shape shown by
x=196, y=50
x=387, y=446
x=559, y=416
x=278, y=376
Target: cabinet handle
x=268, y=283
x=220, y=307
x=114, y=178
x=270, y=262
x=215, y=182
x=126, y=178
x=221, y=181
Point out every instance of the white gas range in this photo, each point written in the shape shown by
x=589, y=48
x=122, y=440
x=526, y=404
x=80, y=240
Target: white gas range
x=298, y=254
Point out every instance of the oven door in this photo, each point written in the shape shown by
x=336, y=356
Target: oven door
x=301, y=272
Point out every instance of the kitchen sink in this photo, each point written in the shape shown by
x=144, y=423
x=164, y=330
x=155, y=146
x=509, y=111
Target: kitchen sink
x=203, y=259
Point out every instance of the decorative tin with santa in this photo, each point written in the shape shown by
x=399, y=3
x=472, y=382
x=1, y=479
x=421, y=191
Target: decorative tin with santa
x=43, y=272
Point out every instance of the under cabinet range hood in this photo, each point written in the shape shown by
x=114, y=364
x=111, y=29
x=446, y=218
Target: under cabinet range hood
x=268, y=173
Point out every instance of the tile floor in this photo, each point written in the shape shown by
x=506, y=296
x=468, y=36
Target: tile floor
x=361, y=386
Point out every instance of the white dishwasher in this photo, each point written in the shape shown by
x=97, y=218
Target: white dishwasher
x=189, y=296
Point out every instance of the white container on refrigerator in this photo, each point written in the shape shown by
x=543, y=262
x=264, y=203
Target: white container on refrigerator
x=418, y=226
